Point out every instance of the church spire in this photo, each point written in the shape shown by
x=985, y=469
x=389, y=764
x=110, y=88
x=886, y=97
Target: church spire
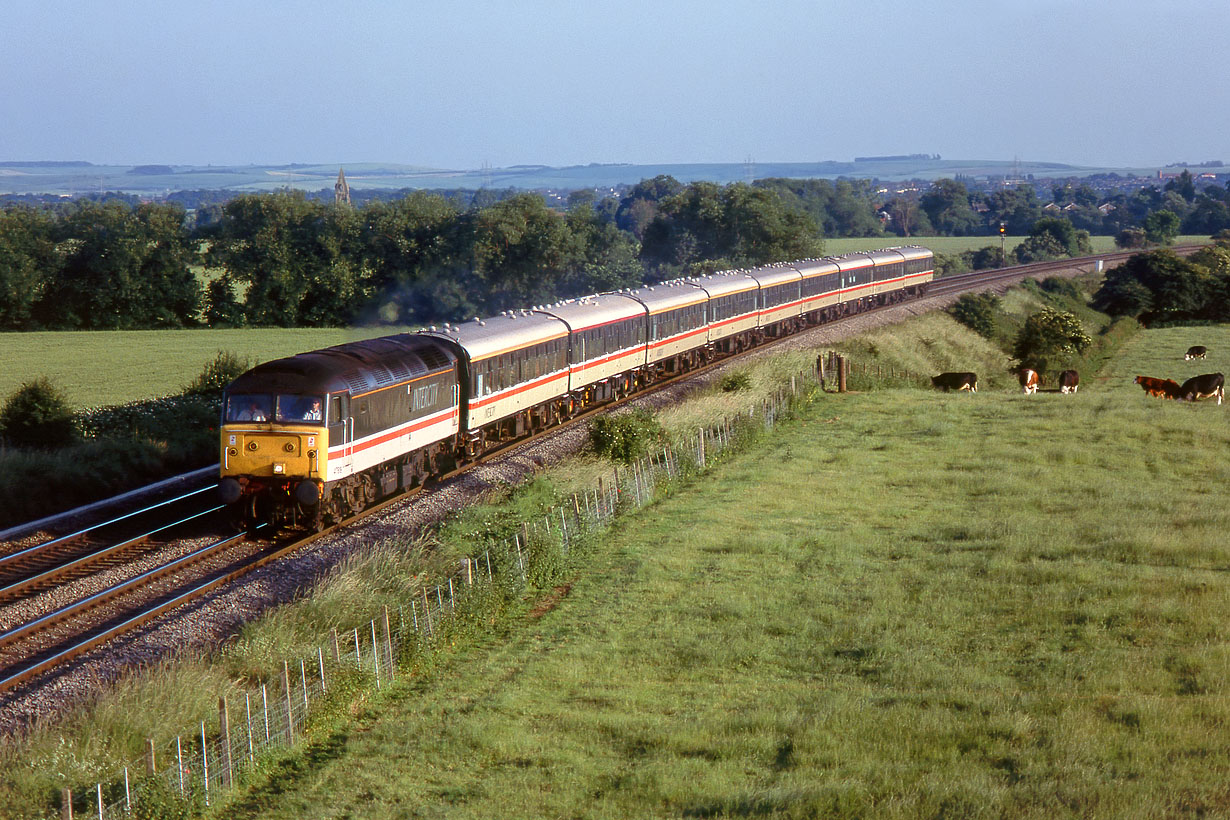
x=341, y=190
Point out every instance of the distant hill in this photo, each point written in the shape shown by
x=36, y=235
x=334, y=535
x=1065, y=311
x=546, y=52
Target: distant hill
x=78, y=177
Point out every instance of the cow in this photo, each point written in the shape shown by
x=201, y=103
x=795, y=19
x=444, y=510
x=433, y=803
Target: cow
x=956, y=381
x=1203, y=387
x=1166, y=388
x=1028, y=379
x=1195, y=352
x=1069, y=380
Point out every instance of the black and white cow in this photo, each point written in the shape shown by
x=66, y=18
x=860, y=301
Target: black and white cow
x=1204, y=387
x=956, y=381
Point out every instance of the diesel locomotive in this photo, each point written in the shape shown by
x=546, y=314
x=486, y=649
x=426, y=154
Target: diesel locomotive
x=312, y=439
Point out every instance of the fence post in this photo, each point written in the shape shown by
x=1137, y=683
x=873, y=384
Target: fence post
x=205, y=762
x=337, y=650
x=179, y=758
x=388, y=636
x=150, y=768
x=842, y=373
x=469, y=575
x=290, y=713
x=66, y=804
x=303, y=680
x=375, y=655
x=100, y=803
x=320, y=658
x=224, y=729
x=247, y=705
x=265, y=706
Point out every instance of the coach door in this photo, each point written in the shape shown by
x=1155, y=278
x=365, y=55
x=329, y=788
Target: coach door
x=341, y=430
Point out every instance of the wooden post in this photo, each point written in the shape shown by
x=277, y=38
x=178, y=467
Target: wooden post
x=66, y=804
x=842, y=373
x=337, y=650
x=224, y=729
x=150, y=767
x=469, y=568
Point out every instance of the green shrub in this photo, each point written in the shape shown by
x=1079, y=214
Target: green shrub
x=625, y=437
x=978, y=312
x=735, y=381
x=217, y=374
x=38, y=416
x=1063, y=286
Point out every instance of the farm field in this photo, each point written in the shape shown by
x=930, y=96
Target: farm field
x=956, y=244
x=114, y=367
x=901, y=604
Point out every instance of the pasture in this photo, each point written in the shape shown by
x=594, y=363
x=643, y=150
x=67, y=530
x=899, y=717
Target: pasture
x=951, y=245
x=902, y=604
x=113, y=367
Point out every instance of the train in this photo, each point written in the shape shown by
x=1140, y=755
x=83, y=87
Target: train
x=312, y=439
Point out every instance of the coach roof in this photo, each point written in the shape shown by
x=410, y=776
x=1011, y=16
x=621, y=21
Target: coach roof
x=512, y=330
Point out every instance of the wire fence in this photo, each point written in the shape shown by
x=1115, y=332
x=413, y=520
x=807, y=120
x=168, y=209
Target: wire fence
x=191, y=772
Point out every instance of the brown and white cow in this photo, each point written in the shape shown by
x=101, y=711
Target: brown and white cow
x=1028, y=379
x=1195, y=352
x=955, y=381
x=1069, y=380
x=1203, y=387
x=1166, y=388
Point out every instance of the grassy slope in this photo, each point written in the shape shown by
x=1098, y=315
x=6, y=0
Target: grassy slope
x=965, y=606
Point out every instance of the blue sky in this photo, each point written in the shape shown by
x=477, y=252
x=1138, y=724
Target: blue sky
x=462, y=83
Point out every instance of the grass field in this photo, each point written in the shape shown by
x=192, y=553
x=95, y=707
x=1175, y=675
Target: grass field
x=956, y=244
x=114, y=367
x=905, y=604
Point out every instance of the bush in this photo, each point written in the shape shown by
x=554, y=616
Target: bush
x=1062, y=286
x=1050, y=339
x=38, y=416
x=978, y=312
x=625, y=437
x=736, y=381
x=217, y=374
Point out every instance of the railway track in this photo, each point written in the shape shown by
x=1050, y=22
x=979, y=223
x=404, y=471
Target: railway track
x=35, y=646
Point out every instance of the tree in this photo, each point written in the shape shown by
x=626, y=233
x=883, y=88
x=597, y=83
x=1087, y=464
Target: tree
x=521, y=250
x=122, y=269
x=739, y=224
x=1155, y=285
x=1161, y=227
x=1131, y=238
x=947, y=206
x=1017, y=207
x=28, y=260
x=419, y=251
x=1050, y=339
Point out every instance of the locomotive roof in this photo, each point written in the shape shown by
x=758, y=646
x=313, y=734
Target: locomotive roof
x=511, y=330
x=357, y=367
x=591, y=311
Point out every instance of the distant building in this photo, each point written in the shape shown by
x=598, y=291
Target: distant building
x=341, y=190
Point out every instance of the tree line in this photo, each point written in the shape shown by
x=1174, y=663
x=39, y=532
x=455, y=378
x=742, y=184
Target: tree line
x=287, y=259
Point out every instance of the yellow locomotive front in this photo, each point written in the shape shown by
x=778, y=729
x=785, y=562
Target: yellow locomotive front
x=274, y=456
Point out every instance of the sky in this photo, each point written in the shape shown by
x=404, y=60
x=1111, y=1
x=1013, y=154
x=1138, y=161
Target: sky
x=462, y=83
